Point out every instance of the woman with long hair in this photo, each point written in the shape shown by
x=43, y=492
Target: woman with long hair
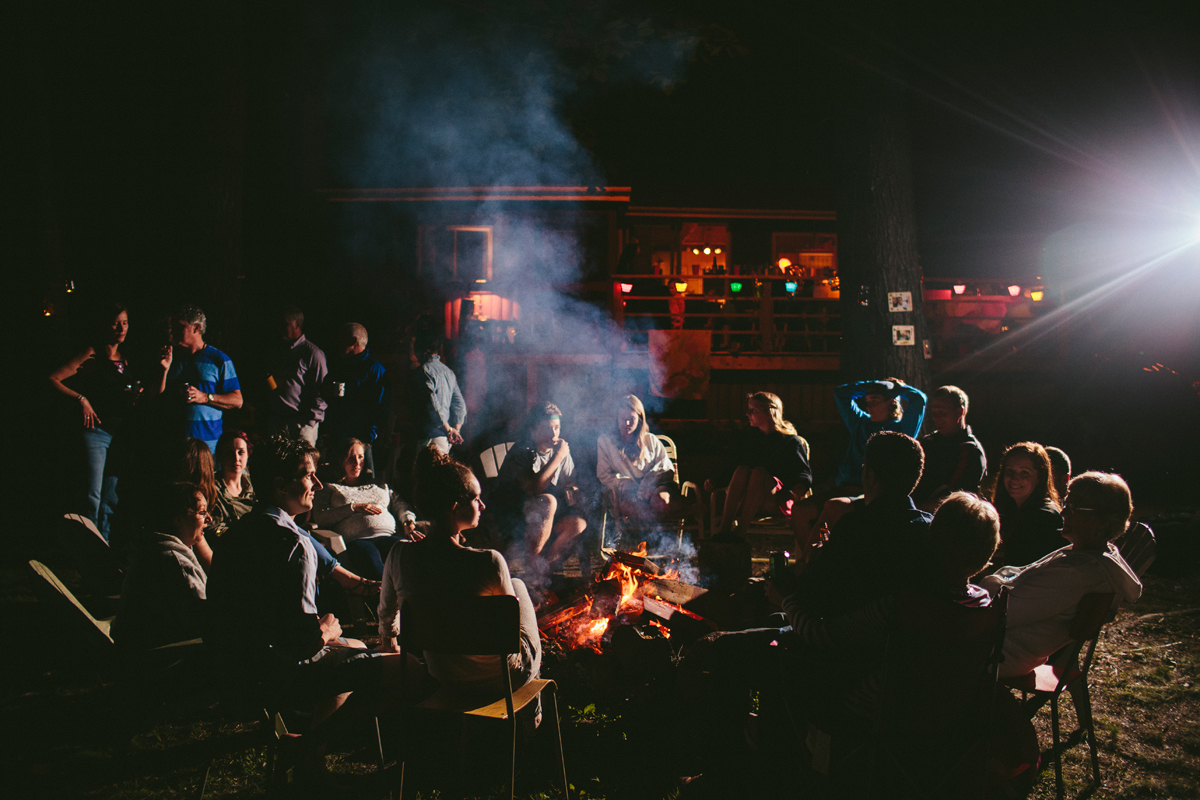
x=768, y=466
x=99, y=381
x=363, y=513
x=448, y=495
x=1024, y=494
x=632, y=462
x=234, y=491
x=195, y=466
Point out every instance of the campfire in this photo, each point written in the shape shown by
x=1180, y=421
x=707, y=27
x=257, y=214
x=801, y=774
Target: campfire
x=634, y=590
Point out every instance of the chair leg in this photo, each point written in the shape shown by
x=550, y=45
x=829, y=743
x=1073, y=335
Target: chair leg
x=562, y=762
x=379, y=745
x=512, y=780
x=1083, y=713
x=1059, y=789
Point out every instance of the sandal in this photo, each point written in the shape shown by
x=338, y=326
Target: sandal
x=365, y=588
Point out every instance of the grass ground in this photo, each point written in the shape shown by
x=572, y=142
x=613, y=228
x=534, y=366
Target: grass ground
x=69, y=728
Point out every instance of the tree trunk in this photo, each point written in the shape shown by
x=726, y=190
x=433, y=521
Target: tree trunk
x=877, y=241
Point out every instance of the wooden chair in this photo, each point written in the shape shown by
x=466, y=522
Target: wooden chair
x=622, y=525
x=1138, y=547
x=481, y=626
x=1064, y=670
x=493, y=458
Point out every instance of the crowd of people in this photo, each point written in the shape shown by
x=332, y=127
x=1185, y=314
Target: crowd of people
x=243, y=564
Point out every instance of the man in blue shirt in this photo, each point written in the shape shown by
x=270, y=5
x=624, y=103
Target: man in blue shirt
x=199, y=379
x=869, y=407
x=437, y=401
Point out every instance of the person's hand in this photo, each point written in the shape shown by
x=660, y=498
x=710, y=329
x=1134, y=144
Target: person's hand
x=414, y=534
x=166, y=356
x=369, y=509
x=195, y=396
x=453, y=436
x=561, y=449
x=897, y=381
x=817, y=538
x=388, y=646
x=331, y=630
x=90, y=420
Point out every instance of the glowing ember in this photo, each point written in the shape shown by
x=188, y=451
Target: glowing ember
x=663, y=629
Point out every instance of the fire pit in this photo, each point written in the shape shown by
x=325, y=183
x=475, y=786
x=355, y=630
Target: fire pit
x=635, y=591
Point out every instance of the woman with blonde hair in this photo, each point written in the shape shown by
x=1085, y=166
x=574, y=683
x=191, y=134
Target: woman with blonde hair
x=632, y=462
x=768, y=468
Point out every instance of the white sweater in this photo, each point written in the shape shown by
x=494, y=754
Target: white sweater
x=612, y=465
x=1044, y=597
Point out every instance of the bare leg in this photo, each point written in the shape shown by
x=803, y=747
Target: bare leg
x=539, y=522
x=566, y=533
x=759, y=489
x=734, y=496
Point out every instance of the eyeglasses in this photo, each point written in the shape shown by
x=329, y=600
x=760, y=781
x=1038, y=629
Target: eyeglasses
x=1074, y=509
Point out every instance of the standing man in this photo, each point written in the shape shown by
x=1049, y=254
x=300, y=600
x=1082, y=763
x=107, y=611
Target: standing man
x=200, y=380
x=954, y=458
x=298, y=371
x=437, y=401
x=357, y=395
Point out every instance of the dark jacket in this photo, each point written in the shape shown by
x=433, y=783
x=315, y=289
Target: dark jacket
x=874, y=550
x=1028, y=533
x=361, y=410
x=780, y=454
x=952, y=464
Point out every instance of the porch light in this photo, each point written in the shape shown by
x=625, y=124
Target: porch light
x=1014, y=290
x=717, y=250
x=790, y=286
x=960, y=288
x=735, y=286
x=626, y=288
x=784, y=263
x=695, y=251
x=1036, y=295
x=681, y=286
x=708, y=251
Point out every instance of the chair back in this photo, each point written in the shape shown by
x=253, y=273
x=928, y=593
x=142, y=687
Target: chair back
x=1138, y=547
x=672, y=452
x=51, y=591
x=88, y=525
x=1093, y=611
x=461, y=624
x=493, y=458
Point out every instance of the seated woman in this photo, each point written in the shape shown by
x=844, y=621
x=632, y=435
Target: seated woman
x=532, y=495
x=1044, y=595
x=632, y=462
x=195, y=466
x=1028, y=504
x=363, y=513
x=164, y=584
x=235, y=493
x=448, y=495
x=769, y=467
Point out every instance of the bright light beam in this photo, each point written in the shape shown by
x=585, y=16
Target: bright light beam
x=1040, y=328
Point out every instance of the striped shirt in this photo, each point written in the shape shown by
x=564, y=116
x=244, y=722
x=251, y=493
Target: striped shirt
x=210, y=371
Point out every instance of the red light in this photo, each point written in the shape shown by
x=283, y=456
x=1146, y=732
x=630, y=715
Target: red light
x=959, y=288
x=1014, y=290
x=626, y=288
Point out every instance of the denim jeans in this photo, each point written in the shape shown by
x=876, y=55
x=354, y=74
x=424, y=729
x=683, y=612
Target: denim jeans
x=100, y=481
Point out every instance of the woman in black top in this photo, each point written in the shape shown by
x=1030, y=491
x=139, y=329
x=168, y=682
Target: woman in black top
x=1030, y=522
x=99, y=381
x=770, y=466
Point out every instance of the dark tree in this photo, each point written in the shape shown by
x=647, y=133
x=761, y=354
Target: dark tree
x=877, y=243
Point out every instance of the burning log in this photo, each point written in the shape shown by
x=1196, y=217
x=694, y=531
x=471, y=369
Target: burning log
x=636, y=560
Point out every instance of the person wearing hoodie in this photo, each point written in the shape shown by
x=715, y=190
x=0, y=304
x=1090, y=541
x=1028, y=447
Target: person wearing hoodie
x=164, y=589
x=1044, y=595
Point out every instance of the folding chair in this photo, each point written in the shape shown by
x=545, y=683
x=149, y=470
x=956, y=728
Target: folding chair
x=1064, y=670
x=481, y=626
x=1138, y=547
x=622, y=525
x=93, y=633
x=90, y=553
